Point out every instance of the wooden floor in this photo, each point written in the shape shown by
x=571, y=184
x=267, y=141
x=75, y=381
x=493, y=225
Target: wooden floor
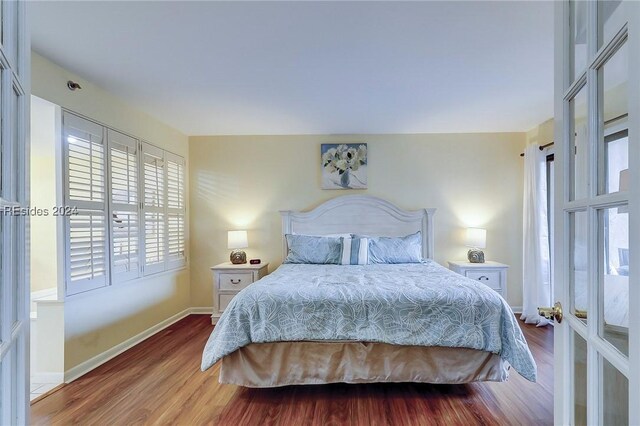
x=160, y=382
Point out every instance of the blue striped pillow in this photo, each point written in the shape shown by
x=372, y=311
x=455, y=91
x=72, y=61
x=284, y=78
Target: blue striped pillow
x=355, y=251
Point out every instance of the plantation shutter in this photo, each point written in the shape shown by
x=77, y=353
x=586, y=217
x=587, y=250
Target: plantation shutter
x=154, y=186
x=175, y=211
x=86, y=236
x=125, y=206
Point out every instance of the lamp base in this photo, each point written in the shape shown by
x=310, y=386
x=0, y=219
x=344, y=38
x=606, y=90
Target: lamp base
x=475, y=256
x=238, y=257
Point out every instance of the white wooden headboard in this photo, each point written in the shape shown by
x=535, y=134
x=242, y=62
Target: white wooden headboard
x=360, y=214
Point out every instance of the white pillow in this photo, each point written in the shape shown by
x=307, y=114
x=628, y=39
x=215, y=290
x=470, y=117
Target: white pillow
x=345, y=259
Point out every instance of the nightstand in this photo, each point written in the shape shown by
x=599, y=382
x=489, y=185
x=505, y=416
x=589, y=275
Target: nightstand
x=492, y=274
x=229, y=279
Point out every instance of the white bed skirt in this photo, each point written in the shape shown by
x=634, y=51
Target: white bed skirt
x=302, y=363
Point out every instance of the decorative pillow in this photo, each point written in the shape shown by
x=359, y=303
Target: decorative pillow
x=406, y=249
x=315, y=250
x=355, y=251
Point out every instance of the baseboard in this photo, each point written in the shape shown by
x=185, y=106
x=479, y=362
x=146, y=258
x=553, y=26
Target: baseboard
x=90, y=364
x=516, y=309
x=47, y=378
x=201, y=310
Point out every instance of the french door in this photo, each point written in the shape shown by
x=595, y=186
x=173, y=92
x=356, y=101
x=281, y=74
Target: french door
x=14, y=151
x=597, y=215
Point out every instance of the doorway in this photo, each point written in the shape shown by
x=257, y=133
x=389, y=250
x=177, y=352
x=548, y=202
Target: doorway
x=46, y=249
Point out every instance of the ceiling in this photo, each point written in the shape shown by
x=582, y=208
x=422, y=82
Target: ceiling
x=213, y=68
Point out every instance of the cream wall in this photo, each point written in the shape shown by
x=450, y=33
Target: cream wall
x=243, y=181
x=43, y=260
x=99, y=320
x=542, y=134
x=615, y=104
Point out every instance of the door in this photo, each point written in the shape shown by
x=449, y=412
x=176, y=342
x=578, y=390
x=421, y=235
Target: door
x=597, y=239
x=14, y=289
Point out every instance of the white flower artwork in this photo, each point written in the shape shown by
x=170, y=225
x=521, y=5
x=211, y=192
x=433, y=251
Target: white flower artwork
x=344, y=166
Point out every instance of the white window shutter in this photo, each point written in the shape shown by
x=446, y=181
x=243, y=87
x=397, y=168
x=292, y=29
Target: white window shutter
x=176, y=256
x=86, y=237
x=154, y=209
x=125, y=206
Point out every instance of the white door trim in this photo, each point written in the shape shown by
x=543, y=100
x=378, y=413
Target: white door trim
x=15, y=62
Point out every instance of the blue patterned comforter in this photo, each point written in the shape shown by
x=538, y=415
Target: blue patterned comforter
x=403, y=304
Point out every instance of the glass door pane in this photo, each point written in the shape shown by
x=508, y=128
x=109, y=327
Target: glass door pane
x=578, y=37
x=579, y=159
x=579, y=264
x=2, y=287
x=610, y=20
x=579, y=379
x=2, y=159
x=14, y=381
x=613, y=148
x=615, y=395
x=10, y=32
x=613, y=300
x=16, y=297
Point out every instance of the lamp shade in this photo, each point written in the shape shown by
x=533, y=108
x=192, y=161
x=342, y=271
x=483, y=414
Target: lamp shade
x=237, y=240
x=476, y=238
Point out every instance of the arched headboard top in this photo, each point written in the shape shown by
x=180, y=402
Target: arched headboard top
x=360, y=214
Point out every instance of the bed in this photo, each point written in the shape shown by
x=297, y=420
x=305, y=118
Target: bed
x=328, y=323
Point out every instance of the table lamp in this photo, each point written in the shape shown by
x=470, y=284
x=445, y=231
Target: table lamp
x=476, y=240
x=237, y=240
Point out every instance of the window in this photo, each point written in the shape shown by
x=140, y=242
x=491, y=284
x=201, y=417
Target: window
x=125, y=207
x=130, y=217
x=175, y=210
x=154, y=209
x=87, y=251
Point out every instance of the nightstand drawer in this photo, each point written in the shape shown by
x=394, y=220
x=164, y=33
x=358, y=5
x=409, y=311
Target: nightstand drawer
x=223, y=301
x=492, y=274
x=229, y=280
x=488, y=278
x=235, y=280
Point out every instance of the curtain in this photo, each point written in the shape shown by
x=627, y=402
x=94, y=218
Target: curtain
x=536, y=279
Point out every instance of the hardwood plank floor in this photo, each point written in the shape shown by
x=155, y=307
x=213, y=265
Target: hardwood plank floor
x=159, y=382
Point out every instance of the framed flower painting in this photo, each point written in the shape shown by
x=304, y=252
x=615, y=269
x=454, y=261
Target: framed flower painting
x=344, y=166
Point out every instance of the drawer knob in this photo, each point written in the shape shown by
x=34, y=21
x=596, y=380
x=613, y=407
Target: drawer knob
x=483, y=277
x=235, y=282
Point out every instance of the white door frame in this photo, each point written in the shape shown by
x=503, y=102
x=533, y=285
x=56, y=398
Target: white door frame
x=15, y=62
x=565, y=87
x=634, y=211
